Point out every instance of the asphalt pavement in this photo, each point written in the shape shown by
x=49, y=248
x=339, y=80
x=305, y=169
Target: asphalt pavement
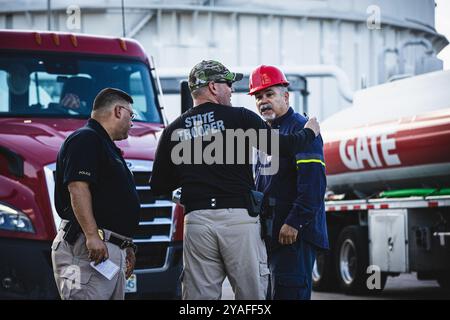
x=403, y=287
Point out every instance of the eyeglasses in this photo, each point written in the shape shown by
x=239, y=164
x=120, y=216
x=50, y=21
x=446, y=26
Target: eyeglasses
x=132, y=114
x=229, y=83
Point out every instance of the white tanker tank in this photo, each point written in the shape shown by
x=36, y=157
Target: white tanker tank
x=396, y=135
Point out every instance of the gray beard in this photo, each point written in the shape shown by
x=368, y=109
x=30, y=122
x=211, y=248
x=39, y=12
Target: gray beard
x=270, y=118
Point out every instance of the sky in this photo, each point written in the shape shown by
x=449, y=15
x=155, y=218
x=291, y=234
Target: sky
x=443, y=27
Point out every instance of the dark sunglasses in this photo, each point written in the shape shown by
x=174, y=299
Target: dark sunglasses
x=229, y=83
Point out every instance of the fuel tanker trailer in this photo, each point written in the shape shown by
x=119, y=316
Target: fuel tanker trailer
x=388, y=174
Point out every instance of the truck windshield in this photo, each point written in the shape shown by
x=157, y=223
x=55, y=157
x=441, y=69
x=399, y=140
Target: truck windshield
x=54, y=86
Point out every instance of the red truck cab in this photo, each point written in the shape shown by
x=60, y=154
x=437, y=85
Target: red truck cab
x=47, y=85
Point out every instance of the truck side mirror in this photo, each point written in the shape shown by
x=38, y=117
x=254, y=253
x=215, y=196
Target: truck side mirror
x=186, y=99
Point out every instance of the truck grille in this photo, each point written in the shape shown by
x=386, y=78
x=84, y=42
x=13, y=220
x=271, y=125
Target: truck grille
x=155, y=222
x=154, y=232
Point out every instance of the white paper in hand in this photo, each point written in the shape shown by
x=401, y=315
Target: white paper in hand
x=108, y=269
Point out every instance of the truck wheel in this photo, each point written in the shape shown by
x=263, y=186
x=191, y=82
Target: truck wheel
x=352, y=260
x=324, y=273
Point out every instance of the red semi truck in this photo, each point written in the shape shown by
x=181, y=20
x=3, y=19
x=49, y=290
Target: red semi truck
x=47, y=85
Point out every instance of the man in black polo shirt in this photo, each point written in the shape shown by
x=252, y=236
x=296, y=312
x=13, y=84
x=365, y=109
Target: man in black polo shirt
x=96, y=197
x=221, y=232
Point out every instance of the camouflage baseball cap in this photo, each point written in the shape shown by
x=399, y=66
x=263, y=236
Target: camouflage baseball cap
x=209, y=70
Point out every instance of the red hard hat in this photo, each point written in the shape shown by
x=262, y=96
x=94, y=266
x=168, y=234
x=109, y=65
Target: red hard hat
x=264, y=77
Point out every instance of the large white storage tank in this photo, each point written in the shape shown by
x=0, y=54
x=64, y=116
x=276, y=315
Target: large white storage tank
x=370, y=40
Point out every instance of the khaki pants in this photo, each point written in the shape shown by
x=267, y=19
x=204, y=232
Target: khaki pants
x=220, y=243
x=77, y=280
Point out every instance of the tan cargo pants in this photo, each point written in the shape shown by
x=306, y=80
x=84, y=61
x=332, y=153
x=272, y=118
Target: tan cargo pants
x=77, y=280
x=220, y=243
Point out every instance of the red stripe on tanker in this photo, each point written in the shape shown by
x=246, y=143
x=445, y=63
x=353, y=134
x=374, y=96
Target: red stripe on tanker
x=410, y=142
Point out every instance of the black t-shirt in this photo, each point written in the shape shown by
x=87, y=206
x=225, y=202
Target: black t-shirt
x=203, y=177
x=90, y=155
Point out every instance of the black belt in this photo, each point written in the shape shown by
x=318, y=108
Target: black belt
x=120, y=241
x=215, y=203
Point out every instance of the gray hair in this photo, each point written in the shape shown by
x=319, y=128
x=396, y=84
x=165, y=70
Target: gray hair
x=282, y=89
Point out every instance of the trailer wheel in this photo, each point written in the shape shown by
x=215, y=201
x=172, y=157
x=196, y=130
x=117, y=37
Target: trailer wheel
x=352, y=260
x=324, y=273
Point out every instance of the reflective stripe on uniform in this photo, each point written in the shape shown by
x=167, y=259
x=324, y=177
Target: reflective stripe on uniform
x=311, y=160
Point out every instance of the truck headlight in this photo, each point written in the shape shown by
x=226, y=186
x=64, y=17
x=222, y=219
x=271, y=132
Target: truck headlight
x=14, y=220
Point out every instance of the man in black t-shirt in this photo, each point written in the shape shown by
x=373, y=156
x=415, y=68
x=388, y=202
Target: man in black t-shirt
x=207, y=152
x=96, y=197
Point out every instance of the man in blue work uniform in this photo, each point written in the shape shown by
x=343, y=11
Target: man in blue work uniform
x=299, y=223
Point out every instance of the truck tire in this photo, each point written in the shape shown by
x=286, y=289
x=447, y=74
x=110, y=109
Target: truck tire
x=324, y=273
x=352, y=260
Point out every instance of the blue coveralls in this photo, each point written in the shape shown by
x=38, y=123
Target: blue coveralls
x=299, y=189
